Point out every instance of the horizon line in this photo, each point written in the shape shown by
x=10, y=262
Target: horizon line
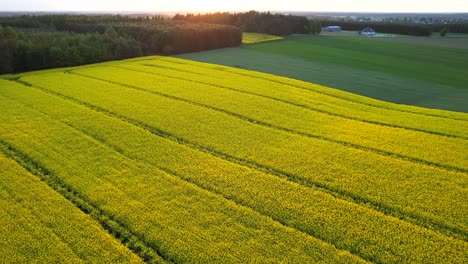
x=231, y=11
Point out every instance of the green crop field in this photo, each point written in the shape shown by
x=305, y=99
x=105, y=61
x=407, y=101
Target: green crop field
x=410, y=73
x=179, y=161
x=251, y=38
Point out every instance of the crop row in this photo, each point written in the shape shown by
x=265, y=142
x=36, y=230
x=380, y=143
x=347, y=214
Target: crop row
x=319, y=97
x=306, y=209
x=353, y=101
x=422, y=191
x=38, y=225
x=113, y=227
x=442, y=151
x=345, y=99
x=187, y=223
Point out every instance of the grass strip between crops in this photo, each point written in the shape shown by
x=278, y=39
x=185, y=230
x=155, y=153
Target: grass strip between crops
x=282, y=128
x=343, y=194
x=204, y=185
x=116, y=229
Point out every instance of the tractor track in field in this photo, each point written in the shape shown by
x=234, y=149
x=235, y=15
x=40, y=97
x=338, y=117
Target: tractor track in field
x=219, y=194
x=308, y=107
x=308, y=90
x=287, y=130
x=180, y=177
x=148, y=253
x=225, y=69
x=411, y=218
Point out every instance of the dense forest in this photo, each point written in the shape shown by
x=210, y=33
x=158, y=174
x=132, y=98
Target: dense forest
x=257, y=22
x=40, y=42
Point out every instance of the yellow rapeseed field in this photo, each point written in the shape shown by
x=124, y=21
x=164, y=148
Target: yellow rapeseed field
x=190, y=162
x=251, y=38
x=40, y=226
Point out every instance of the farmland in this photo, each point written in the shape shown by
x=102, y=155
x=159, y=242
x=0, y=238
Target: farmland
x=181, y=161
x=412, y=73
x=251, y=38
x=39, y=225
x=453, y=40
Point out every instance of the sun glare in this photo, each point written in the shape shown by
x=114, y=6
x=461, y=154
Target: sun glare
x=240, y=5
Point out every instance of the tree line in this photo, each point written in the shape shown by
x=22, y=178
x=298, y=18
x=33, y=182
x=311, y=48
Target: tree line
x=386, y=27
x=257, y=22
x=451, y=27
x=40, y=42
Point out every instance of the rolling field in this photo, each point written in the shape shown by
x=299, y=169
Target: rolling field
x=187, y=162
x=407, y=73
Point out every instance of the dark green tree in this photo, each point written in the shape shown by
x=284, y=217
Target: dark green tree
x=444, y=32
x=315, y=27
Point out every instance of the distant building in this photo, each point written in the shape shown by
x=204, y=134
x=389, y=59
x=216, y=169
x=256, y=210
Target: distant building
x=368, y=32
x=332, y=29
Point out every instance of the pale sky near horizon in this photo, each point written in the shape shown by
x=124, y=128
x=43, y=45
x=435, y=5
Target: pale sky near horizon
x=460, y=6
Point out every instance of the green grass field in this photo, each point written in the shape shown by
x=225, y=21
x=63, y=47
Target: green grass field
x=181, y=161
x=452, y=40
x=405, y=73
x=251, y=38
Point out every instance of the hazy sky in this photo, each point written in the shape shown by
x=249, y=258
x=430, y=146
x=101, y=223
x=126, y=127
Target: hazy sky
x=237, y=5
